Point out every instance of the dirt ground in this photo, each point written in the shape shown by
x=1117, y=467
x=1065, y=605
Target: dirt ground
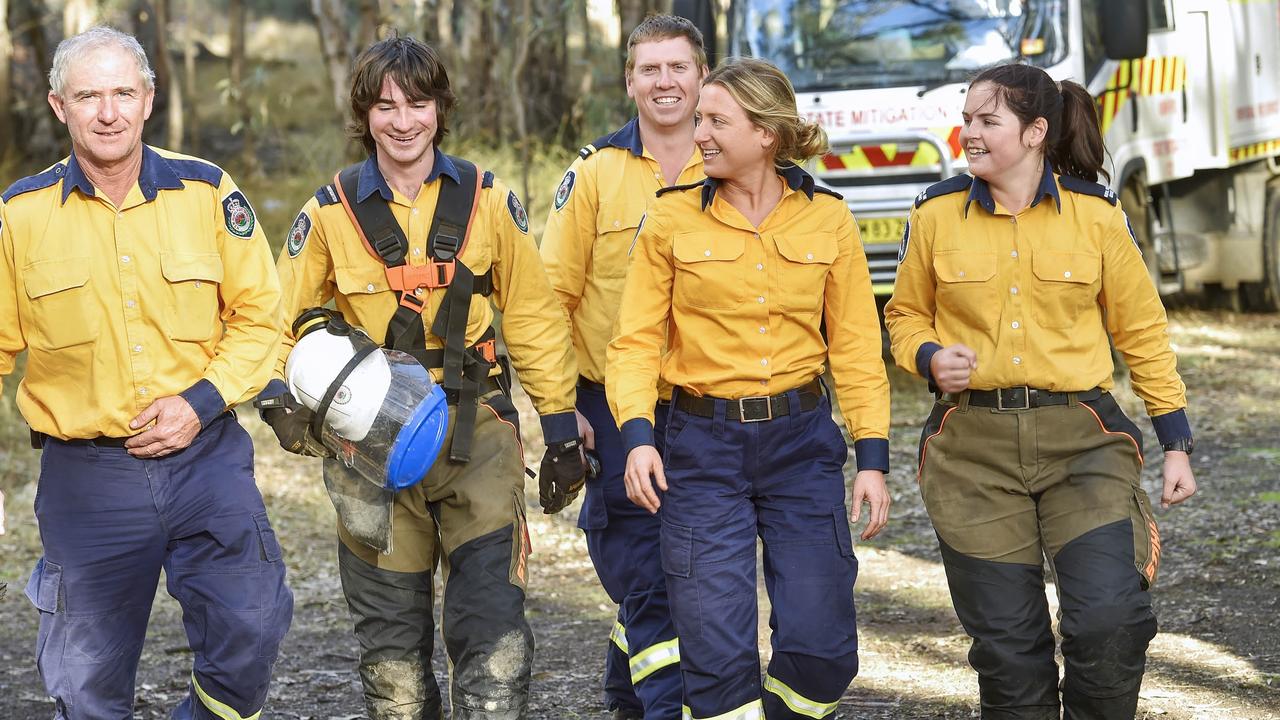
x=1217, y=656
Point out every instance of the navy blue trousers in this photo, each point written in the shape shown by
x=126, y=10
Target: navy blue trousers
x=109, y=522
x=642, y=670
x=780, y=480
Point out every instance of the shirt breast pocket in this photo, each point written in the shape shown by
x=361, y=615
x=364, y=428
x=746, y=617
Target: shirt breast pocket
x=616, y=226
x=193, y=279
x=62, y=311
x=802, y=274
x=708, y=274
x=965, y=288
x=1066, y=287
x=367, y=292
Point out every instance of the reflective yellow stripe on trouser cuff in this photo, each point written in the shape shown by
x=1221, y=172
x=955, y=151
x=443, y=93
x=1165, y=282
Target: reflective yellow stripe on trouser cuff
x=797, y=702
x=653, y=659
x=222, y=710
x=753, y=710
x=619, y=637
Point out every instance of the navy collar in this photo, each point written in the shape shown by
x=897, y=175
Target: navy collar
x=371, y=179
x=626, y=137
x=795, y=177
x=155, y=175
x=981, y=192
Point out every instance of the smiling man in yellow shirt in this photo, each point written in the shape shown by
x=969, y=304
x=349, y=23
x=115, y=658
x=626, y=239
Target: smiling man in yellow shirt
x=141, y=286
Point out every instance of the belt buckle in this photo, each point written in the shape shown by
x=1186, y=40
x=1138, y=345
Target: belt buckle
x=1026, y=398
x=755, y=401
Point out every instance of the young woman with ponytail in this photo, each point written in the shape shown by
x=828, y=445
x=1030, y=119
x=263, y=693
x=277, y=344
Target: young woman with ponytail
x=1009, y=280
x=734, y=276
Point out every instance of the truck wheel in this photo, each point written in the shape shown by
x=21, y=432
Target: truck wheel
x=1135, y=199
x=1264, y=296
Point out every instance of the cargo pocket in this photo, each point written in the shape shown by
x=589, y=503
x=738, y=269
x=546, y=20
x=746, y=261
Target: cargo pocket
x=45, y=586
x=271, y=551
x=61, y=315
x=521, y=545
x=682, y=587
x=844, y=537
x=594, y=515
x=193, y=281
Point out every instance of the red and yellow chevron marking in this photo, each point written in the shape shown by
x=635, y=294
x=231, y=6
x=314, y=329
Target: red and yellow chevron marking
x=1256, y=150
x=867, y=157
x=1144, y=76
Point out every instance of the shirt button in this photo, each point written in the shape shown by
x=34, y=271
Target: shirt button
x=417, y=251
x=763, y=329
x=1066, y=274
x=755, y=235
x=1013, y=254
x=759, y=266
x=415, y=211
x=764, y=361
x=760, y=300
x=197, y=283
x=809, y=256
x=124, y=258
x=1013, y=291
x=1017, y=360
x=617, y=223
x=707, y=253
x=142, y=391
x=764, y=382
x=1013, y=220
x=960, y=274
x=137, y=348
x=1015, y=324
x=369, y=287
x=129, y=303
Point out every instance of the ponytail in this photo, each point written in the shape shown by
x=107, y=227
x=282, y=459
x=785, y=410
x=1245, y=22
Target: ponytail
x=1077, y=149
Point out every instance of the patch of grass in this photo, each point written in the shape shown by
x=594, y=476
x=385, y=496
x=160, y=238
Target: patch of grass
x=1273, y=541
x=1269, y=497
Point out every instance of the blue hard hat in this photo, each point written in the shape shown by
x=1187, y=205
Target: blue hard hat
x=419, y=441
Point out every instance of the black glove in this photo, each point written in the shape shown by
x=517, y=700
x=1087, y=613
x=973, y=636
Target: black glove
x=291, y=423
x=561, y=476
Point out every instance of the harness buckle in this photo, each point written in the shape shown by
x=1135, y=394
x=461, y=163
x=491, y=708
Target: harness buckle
x=760, y=409
x=488, y=350
x=433, y=275
x=1019, y=398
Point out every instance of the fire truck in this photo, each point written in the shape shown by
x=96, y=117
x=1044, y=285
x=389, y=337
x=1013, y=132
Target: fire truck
x=1187, y=91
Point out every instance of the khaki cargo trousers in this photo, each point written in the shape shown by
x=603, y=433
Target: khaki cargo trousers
x=1007, y=489
x=471, y=517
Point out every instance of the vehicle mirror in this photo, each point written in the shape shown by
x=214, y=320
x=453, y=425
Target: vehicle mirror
x=1124, y=28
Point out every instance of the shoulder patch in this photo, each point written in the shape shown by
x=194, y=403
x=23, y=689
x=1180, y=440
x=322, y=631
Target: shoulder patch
x=328, y=195
x=678, y=188
x=565, y=190
x=587, y=151
x=906, y=237
x=238, y=214
x=298, y=234
x=1084, y=187
x=518, y=215
x=827, y=191
x=205, y=172
x=486, y=180
x=946, y=187
x=32, y=183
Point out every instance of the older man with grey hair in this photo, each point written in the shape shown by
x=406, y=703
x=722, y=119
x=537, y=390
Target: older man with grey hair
x=142, y=288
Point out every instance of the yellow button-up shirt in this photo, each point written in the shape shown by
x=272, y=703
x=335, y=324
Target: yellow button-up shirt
x=589, y=230
x=170, y=293
x=325, y=259
x=743, y=307
x=1034, y=293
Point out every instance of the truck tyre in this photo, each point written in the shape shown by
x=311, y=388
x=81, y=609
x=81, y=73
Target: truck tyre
x=1135, y=199
x=1264, y=296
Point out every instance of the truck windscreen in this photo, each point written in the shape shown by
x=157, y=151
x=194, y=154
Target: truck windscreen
x=853, y=44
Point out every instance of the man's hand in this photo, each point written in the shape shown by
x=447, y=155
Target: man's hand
x=1179, y=481
x=951, y=367
x=644, y=466
x=176, y=425
x=292, y=426
x=585, y=431
x=561, y=476
x=868, y=487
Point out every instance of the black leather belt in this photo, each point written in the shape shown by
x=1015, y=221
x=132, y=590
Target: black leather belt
x=1022, y=397
x=38, y=439
x=750, y=409
x=592, y=385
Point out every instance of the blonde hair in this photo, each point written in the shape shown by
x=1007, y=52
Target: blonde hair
x=657, y=27
x=766, y=95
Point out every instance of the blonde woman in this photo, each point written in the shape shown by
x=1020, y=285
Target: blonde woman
x=736, y=274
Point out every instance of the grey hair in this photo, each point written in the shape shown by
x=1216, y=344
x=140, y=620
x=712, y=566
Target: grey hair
x=94, y=38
